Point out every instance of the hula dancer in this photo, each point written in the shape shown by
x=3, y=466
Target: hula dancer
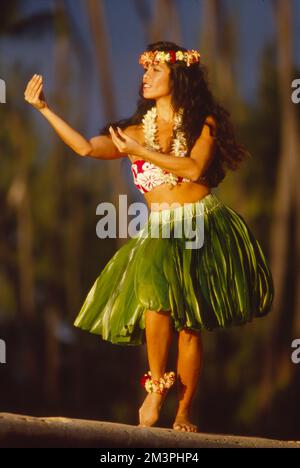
x=180, y=142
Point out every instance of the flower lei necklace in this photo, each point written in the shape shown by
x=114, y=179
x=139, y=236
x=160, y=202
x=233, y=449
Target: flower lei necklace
x=179, y=145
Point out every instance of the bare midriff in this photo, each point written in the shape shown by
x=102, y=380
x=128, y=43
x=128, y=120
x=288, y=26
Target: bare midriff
x=183, y=192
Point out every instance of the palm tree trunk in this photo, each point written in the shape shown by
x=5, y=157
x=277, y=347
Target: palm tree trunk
x=165, y=23
x=19, y=198
x=218, y=40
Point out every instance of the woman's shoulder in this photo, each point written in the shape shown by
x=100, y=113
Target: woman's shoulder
x=134, y=130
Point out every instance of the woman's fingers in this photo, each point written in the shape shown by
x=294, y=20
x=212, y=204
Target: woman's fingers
x=122, y=134
x=38, y=91
x=37, y=84
x=34, y=92
x=116, y=140
x=120, y=131
x=113, y=136
x=33, y=84
x=120, y=137
x=34, y=95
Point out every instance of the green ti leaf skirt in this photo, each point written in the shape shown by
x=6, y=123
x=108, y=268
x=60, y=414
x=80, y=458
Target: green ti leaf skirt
x=217, y=279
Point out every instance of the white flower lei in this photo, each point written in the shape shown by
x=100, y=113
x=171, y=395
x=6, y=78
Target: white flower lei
x=179, y=144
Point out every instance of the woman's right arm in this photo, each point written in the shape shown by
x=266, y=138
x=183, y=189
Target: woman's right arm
x=100, y=147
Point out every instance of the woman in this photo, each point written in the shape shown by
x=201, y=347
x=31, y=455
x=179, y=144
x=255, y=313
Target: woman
x=180, y=142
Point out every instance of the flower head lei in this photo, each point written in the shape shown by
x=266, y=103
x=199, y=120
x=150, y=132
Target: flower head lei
x=157, y=56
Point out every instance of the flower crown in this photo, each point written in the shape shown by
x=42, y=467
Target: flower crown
x=153, y=57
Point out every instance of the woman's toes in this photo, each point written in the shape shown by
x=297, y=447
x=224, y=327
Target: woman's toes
x=193, y=429
x=179, y=427
x=186, y=427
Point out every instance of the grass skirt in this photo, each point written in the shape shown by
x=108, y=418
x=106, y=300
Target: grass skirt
x=224, y=282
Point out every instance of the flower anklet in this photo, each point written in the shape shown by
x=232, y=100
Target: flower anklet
x=161, y=385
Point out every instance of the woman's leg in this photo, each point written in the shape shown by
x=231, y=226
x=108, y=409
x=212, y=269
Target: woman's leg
x=189, y=365
x=159, y=333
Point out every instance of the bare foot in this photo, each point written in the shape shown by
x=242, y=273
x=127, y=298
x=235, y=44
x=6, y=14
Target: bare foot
x=150, y=409
x=182, y=423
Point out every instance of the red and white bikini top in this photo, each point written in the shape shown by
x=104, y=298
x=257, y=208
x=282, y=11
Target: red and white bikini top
x=147, y=176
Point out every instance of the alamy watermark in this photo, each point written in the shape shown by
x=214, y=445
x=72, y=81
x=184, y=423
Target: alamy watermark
x=2, y=352
x=295, y=356
x=2, y=92
x=296, y=93
x=162, y=215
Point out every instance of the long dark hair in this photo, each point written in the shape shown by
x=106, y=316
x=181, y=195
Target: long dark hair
x=189, y=88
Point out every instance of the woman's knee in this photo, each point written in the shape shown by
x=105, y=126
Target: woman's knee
x=158, y=315
x=158, y=312
x=187, y=335
x=158, y=322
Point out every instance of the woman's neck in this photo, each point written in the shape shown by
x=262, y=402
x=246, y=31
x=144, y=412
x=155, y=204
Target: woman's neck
x=165, y=113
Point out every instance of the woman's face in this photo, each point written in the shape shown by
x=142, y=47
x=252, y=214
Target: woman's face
x=156, y=81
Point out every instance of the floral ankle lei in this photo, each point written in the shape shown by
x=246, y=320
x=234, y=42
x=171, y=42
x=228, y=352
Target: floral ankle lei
x=158, y=386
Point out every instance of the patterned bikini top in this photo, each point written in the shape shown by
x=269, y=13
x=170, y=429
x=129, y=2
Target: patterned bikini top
x=147, y=176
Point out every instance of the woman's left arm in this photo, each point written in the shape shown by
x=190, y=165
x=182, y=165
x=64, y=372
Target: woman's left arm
x=191, y=168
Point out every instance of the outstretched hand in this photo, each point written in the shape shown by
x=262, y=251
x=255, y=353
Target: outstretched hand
x=125, y=143
x=34, y=94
